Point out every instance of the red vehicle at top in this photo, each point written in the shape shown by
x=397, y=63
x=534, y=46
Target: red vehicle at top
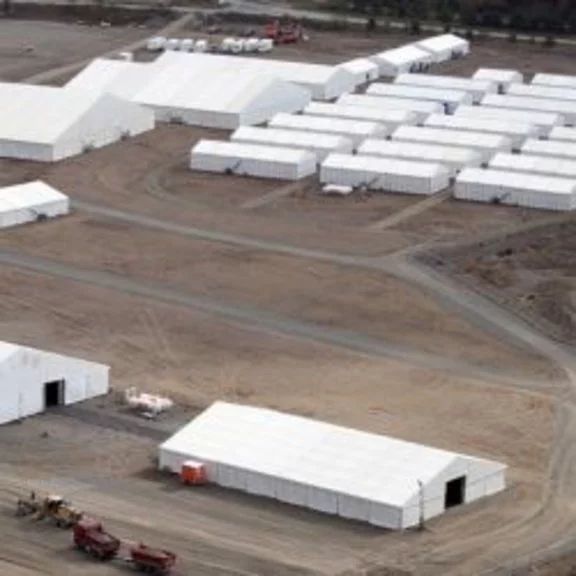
x=287, y=34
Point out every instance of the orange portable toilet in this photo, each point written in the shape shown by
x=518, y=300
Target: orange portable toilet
x=193, y=472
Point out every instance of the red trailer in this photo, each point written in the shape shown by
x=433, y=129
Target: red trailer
x=90, y=536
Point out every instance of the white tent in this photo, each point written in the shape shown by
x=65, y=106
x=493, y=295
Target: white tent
x=516, y=131
x=556, y=148
x=515, y=188
x=363, y=69
x=407, y=58
x=30, y=202
x=450, y=99
x=389, y=118
x=445, y=47
x=563, y=133
x=540, y=91
x=422, y=108
x=451, y=157
x=252, y=160
x=486, y=144
x=332, y=469
x=320, y=143
x=558, y=80
x=388, y=174
x=502, y=77
x=566, y=108
x=546, y=165
x=32, y=380
x=352, y=129
x=544, y=121
x=476, y=88
x=48, y=124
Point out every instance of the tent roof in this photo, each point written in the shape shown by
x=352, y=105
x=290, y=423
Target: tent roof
x=426, y=152
x=561, y=167
x=442, y=42
x=452, y=137
x=310, y=452
x=359, y=66
x=403, y=55
x=243, y=150
x=7, y=350
x=28, y=195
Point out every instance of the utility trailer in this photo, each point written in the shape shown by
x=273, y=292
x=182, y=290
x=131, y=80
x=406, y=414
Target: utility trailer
x=90, y=536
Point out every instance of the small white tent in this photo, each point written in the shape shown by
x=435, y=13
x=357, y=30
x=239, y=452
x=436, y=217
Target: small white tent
x=445, y=47
x=363, y=69
x=407, y=58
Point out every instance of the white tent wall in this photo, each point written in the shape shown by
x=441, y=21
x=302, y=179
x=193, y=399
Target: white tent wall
x=445, y=47
x=557, y=80
x=545, y=165
x=23, y=150
x=516, y=189
x=407, y=58
x=544, y=121
x=388, y=174
x=538, y=91
x=502, y=77
x=449, y=99
x=566, y=108
x=363, y=69
x=563, y=133
x=24, y=373
x=555, y=148
x=476, y=88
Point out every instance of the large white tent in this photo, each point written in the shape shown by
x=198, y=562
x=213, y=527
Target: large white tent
x=445, y=47
x=407, y=58
x=555, y=148
x=363, y=69
x=29, y=202
x=32, y=380
x=503, y=78
x=558, y=80
x=328, y=468
x=541, y=91
x=567, y=108
x=48, y=124
x=547, y=165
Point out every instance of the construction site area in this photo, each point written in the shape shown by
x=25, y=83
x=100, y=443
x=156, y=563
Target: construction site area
x=428, y=319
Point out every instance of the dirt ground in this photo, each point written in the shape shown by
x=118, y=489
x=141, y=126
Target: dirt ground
x=206, y=287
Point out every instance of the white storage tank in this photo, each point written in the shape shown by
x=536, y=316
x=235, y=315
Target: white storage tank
x=445, y=47
x=516, y=131
x=352, y=129
x=363, y=69
x=407, y=58
x=546, y=165
x=502, y=77
x=486, y=144
x=516, y=189
x=422, y=108
x=563, y=133
x=476, y=88
x=391, y=175
x=453, y=158
x=389, y=118
x=556, y=148
x=320, y=143
x=557, y=80
x=538, y=91
x=252, y=160
x=564, y=107
x=544, y=121
x=450, y=99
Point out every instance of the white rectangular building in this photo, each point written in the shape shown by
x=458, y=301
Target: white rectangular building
x=556, y=148
x=320, y=143
x=516, y=131
x=31, y=202
x=389, y=118
x=33, y=380
x=557, y=80
x=544, y=121
x=422, y=108
x=455, y=159
x=566, y=108
x=476, y=88
x=363, y=69
x=503, y=78
x=450, y=99
x=328, y=468
x=486, y=144
x=387, y=174
x=252, y=160
x=516, y=189
x=545, y=165
x=445, y=47
x=407, y=58
x=563, y=133
x=540, y=91
x=353, y=129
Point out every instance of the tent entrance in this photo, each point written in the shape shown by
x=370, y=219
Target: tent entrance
x=53, y=393
x=455, y=491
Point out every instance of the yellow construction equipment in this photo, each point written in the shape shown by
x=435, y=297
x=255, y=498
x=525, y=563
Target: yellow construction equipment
x=52, y=507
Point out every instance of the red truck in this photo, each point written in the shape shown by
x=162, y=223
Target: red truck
x=90, y=536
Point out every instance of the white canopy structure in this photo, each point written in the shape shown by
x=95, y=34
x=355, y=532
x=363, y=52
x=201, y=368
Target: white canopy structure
x=328, y=468
x=407, y=58
x=453, y=158
x=48, y=124
x=320, y=143
x=566, y=108
x=502, y=77
x=556, y=148
x=387, y=174
x=557, y=80
x=515, y=188
x=252, y=160
x=29, y=202
x=541, y=91
x=563, y=133
x=32, y=380
x=445, y=47
x=450, y=99
x=545, y=165
x=476, y=88
x=363, y=69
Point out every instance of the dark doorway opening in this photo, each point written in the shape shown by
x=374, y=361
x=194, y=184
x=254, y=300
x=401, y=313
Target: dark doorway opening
x=455, y=492
x=54, y=393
